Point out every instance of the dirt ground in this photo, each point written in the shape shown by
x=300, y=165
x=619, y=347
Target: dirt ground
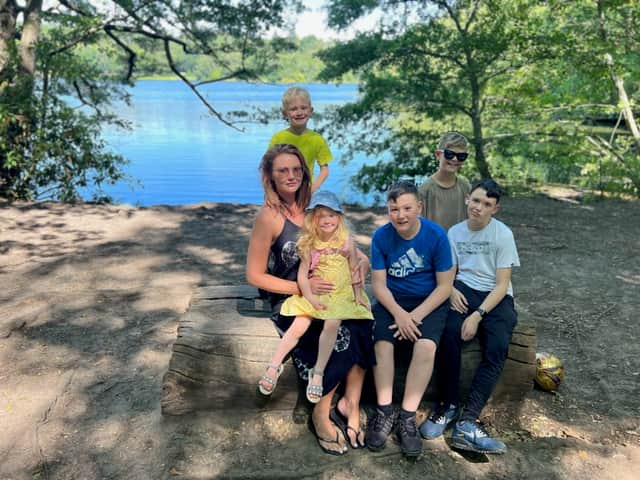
x=91, y=296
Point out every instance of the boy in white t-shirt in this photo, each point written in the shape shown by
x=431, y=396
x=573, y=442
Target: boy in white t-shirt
x=484, y=251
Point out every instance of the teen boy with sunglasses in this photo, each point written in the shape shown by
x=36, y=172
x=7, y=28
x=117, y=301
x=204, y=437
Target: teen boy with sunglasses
x=444, y=192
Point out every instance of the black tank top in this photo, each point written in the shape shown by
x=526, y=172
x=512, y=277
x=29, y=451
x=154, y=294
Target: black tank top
x=285, y=257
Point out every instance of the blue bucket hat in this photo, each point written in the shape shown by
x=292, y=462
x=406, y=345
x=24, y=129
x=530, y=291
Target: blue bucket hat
x=325, y=198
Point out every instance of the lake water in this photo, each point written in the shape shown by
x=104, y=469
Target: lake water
x=182, y=155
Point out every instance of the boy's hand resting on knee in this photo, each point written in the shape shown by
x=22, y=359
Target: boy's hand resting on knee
x=406, y=326
x=470, y=327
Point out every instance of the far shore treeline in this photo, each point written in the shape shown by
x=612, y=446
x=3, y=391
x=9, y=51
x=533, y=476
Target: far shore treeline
x=545, y=91
x=298, y=64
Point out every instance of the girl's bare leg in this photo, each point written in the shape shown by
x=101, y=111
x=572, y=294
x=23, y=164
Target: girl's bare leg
x=287, y=343
x=325, y=347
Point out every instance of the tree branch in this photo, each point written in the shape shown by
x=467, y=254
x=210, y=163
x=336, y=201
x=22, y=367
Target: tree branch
x=131, y=59
x=194, y=88
x=605, y=147
x=83, y=100
x=75, y=41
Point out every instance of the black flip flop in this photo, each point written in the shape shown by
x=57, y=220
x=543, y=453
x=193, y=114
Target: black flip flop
x=312, y=427
x=342, y=423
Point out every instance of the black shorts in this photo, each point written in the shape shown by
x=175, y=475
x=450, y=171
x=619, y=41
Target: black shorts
x=431, y=327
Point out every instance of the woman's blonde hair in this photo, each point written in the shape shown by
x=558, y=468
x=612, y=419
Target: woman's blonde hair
x=272, y=198
x=310, y=233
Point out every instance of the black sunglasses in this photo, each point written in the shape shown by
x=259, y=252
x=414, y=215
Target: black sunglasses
x=449, y=154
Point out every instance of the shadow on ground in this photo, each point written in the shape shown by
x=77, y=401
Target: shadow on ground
x=91, y=297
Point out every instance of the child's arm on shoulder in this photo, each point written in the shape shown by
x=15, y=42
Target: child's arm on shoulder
x=322, y=176
x=305, y=285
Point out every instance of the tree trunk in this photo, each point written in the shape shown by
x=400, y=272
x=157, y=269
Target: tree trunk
x=226, y=339
x=30, y=36
x=478, y=138
x=7, y=32
x=623, y=98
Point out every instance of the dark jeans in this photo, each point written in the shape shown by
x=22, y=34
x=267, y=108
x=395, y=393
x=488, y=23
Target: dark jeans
x=494, y=334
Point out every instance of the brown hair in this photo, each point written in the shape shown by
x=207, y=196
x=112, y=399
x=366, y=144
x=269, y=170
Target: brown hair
x=401, y=187
x=272, y=198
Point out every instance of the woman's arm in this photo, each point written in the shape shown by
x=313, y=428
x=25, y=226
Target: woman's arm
x=263, y=234
x=360, y=268
x=354, y=265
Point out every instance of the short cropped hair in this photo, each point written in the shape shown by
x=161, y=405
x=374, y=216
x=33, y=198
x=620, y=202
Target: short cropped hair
x=294, y=92
x=400, y=188
x=453, y=139
x=493, y=189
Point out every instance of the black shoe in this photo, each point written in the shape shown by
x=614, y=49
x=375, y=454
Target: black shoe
x=379, y=427
x=407, y=434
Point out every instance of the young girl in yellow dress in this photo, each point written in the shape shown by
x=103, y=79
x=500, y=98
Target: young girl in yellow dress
x=327, y=249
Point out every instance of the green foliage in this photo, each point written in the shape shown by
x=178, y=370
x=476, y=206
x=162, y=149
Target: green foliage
x=570, y=92
x=292, y=60
x=51, y=116
x=50, y=148
x=532, y=84
x=438, y=71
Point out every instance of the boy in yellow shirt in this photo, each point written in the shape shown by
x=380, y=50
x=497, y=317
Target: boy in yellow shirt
x=297, y=109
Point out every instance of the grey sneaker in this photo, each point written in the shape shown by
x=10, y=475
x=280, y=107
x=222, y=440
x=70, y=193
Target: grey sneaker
x=407, y=434
x=468, y=435
x=379, y=427
x=438, y=421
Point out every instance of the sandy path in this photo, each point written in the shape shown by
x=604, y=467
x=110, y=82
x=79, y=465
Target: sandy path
x=90, y=300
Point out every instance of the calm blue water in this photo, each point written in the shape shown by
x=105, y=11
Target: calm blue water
x=181, y=155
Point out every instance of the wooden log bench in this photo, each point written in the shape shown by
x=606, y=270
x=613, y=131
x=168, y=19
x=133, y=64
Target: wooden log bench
x=226, y=339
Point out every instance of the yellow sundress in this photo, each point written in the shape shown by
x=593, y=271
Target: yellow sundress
x=332, y=265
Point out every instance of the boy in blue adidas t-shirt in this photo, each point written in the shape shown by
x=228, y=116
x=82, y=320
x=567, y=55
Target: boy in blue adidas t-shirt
x=412, y=280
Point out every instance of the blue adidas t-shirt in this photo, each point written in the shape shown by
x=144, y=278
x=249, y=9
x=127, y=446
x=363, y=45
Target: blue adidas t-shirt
x=411, y=265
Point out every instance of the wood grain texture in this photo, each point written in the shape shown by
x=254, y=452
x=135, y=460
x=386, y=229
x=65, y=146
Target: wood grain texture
x=226, y=339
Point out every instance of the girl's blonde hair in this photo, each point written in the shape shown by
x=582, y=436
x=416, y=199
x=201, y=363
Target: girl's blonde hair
x=310, y=233
x=272, y=198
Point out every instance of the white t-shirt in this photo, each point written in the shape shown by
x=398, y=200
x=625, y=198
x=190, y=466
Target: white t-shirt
x=480, y=253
